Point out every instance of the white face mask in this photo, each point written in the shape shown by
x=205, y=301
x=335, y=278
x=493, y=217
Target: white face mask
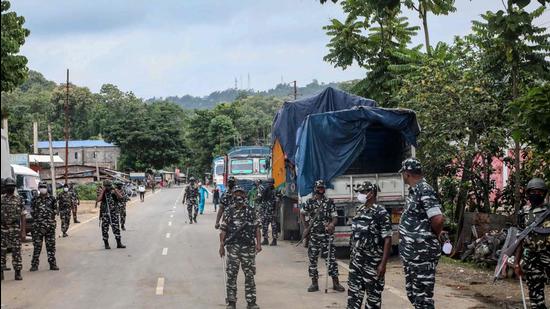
x=43, y=190
x=362, y=198
x=66, y=189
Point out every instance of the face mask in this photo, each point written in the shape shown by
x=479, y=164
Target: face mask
x=66, y=189
x=362, y=198
x=239, y=200
x=320, y=190
x=43, y=190
x=536, y=199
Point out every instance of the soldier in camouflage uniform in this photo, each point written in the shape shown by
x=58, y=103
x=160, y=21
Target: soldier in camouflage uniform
x=65, y=202
x=319, y=216
x=240, y=236
x=534, y=250
x=420, y=231
x=191, y=196
x=268, y=212
x=43, y=212
x=12, y=209
x=226, y=200
x=109, y=214
x=122, y=205
x=76, y=202
x=370, y=245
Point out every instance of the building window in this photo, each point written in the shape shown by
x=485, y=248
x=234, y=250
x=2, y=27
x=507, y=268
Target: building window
x=76, y=155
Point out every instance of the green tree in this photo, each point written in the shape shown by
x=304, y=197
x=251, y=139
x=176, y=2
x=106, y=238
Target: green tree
x=14, y=66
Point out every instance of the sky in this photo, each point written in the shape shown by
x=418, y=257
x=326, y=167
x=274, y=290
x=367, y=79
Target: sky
x=177, y=47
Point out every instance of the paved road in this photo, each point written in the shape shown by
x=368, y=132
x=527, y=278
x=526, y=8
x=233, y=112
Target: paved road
x=172, y=264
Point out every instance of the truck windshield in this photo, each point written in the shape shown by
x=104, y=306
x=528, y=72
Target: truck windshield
x=242, y=166
x=219, y=169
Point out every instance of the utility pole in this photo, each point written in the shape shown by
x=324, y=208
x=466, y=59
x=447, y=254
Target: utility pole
x=52, y=167
x=34, y=137
x=96, y=164
x=67, y=128
x=295, y=91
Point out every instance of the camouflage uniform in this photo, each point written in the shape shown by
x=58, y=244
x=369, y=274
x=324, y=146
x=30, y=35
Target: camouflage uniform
x=12, y=209
x=370, y=226
x=65, y=202
x=122, y=208
x=241, y=250
x=75, y=203
x=536, y=255
x=318, y=236
x=226, y=201
x=43, y=212
x=419, y=247
x=191, y=195
x=110, y=215
x=267, y=211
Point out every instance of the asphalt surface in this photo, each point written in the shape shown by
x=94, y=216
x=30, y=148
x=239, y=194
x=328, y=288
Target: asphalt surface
x=169, y=263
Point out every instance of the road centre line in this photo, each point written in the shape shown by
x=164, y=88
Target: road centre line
x=160, y=286
x=169, y=223
x=165, y=251
x=167, y=235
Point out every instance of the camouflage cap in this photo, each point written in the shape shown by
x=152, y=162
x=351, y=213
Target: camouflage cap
x=320, y=183
x=411, y=164
x=9, y=182
x=367, y=186
x=107, y=183
x=192, y=179
x=536, y=184
x=238, y=189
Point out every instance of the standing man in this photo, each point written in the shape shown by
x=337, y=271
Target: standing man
x=75, y=203
x=226, y=200
x=254, y=194
x=268, y=212
x=12, y=209
x=109, y=213
x=370, y=244
x=43, y=212
x=535, y=249
x=191, y=195
x=216, y=197
x=141, y=189
x=240, y=235
x=203, y=195
x=319, y=216
x=420, y=234
x=122, y=204
x=65, y=202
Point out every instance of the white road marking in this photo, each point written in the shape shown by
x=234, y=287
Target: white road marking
x=171, y=216
x=174, y=207
x=169, y=223
x=165, y=251
x=160, y=286
x=167, y=235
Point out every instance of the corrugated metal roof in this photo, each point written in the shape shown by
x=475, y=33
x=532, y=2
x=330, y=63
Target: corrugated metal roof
x=76, y=144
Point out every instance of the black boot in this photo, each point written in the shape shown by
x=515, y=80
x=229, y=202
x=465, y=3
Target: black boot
x=6, y=268
x=252, y=306
x=314, y=287
x=34, y=268
x=2, y=274
x=65, y=234
x=274, y=242
x=119, y=244
x=53, y=266
x=265, y=242
x=195, y=218
x=123, y=228
x=336, y=285
x=231, y=305
x=106, y=242
x=18, y=275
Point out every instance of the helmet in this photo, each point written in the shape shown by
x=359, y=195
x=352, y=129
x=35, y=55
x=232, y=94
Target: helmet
x=107, y=183
x=536, y=183
x=320, y=183
x=42, y=184
x=367, y=186
x=411, y=164
x=9, y=182
x=238, y=189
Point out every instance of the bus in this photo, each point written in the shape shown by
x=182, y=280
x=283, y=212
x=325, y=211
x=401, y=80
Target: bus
x=248, y=164
x=218, y=169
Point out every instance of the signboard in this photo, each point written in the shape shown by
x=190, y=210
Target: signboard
x=137, y=176
x=20, y=159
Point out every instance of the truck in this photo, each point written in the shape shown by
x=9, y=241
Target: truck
x=350, y=143
x=247, y=164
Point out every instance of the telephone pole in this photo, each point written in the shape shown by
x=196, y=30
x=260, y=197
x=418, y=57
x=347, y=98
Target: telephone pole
x=295, y=91
x=67, y=128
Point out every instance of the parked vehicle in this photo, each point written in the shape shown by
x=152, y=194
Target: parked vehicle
x=248, y=164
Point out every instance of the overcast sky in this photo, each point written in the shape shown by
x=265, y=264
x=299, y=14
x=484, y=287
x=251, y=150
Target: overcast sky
x=177, y=47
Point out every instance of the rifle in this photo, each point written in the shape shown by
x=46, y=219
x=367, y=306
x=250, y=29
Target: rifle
x=236, y=232
x=505, y=253
x=308, y=229
x=105, y=195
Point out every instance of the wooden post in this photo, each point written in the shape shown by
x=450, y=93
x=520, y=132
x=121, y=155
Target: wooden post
x=52, y=167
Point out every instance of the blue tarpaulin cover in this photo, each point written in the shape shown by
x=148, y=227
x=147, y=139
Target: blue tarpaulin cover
x=329, y=143
x=289, y=118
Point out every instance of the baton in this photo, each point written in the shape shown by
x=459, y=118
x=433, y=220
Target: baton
x=328, y=262
x=224, y=277
x=522, y=293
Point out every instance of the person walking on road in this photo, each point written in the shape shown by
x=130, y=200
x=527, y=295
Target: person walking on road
x=122, y=205
x=240, y=236
x=370, y=244
x=216, y=197
x=141, y=189
x=75, y=202
x=319, y=216
x=534, y=251
x=420, y=235
x=226, y=200
x=12, y=210
x=109, y=213
x=65, y=202
x=190, y=196
x=43, y=212
x=203, y=195
x=267, y=210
